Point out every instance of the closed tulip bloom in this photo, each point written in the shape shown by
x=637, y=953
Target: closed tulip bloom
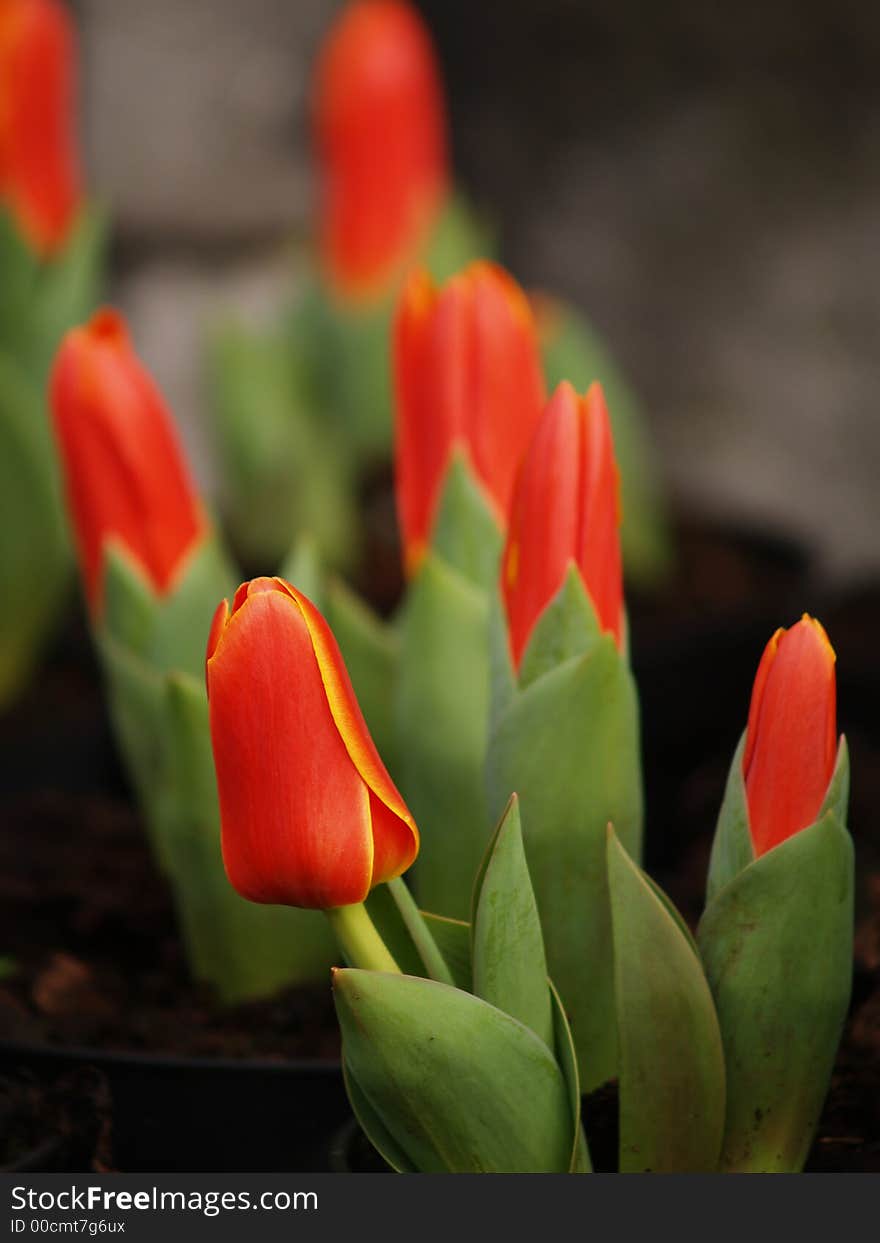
x=468, y=378
x=380, y=130
x=125, y=474
x=566, y=511
x=791, y=738
x=39, y=171
x=309, y=814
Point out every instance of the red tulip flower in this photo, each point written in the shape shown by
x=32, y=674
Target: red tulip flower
x=468, y=378
x=39, y=172
x=566, y=511
x=125, y=473
x=380, y=129
x=791, y=738
x=310, y=816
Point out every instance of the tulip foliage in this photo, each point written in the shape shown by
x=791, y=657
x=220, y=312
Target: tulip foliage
x=50, y=265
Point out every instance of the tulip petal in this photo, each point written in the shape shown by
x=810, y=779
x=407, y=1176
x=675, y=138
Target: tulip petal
x=381, y=140
x=295, y=810
x=39, y=173
x=395, y=836
x=125, y=473
x=792, y=734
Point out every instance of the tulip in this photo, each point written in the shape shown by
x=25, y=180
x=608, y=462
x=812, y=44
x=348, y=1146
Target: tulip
x=125, y=475
x=565, y=511
x=39, y=172
x=791, y=737
x=380, y=134
x=309, y=814
x=467, y=379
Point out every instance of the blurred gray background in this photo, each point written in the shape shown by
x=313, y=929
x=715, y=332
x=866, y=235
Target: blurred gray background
x=703, y=180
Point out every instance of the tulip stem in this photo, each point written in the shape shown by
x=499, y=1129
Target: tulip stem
x=359, y=940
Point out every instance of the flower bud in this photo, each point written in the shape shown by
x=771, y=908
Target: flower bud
x=380, y=130
x=39, y=170
x=565, y=511
x=125, y=474
x=791, y=737
x=467, y=378
x=309, y=814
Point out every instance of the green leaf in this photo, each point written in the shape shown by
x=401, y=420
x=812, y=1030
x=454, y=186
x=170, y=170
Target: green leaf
x=184, y=616
x=135, y=694
x=458, y=1085
x=566, y=1057
x=304, y=569
x=566, y=629
x=776, y=942
x=572, y=351
x=131, y=606
x=374, y=1128
x=35, y=560
x=837, y=794
x=671, y=1070
x=732, y=848
x=440, y=716
x=243, y=949
x=453, y=938
x=20, y=268
x=466, y=533
x=569, y=746
x=286, y=468
x=460, y=237
x=68, y=288
x=370, y=649
x=509, y=966
x=384, y=911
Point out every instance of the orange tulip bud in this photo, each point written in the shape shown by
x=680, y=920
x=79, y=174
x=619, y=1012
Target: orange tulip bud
x=309, y=814
x=467, y=377
x=39, y=172
x=125, y=474
x=380, y=130
x=791, y=738
x=566, y=510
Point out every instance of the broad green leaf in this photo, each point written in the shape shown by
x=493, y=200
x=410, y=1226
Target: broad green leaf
x=374, y=1128
x=671, y=1061
x=458, y=1085
x=184, y=615
x=68, y=288
x=304, y=569
x=460, y=237
x=509, y=966
x=466, y=533
x=567, y=628
x=20, y=269
x=243, y=949
x=569, y=746
x=136, y=694
x=776, y=942
x=286, y=468
x=35, y=561
x=572, y=351
x=131, y=606
x=440, y=715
